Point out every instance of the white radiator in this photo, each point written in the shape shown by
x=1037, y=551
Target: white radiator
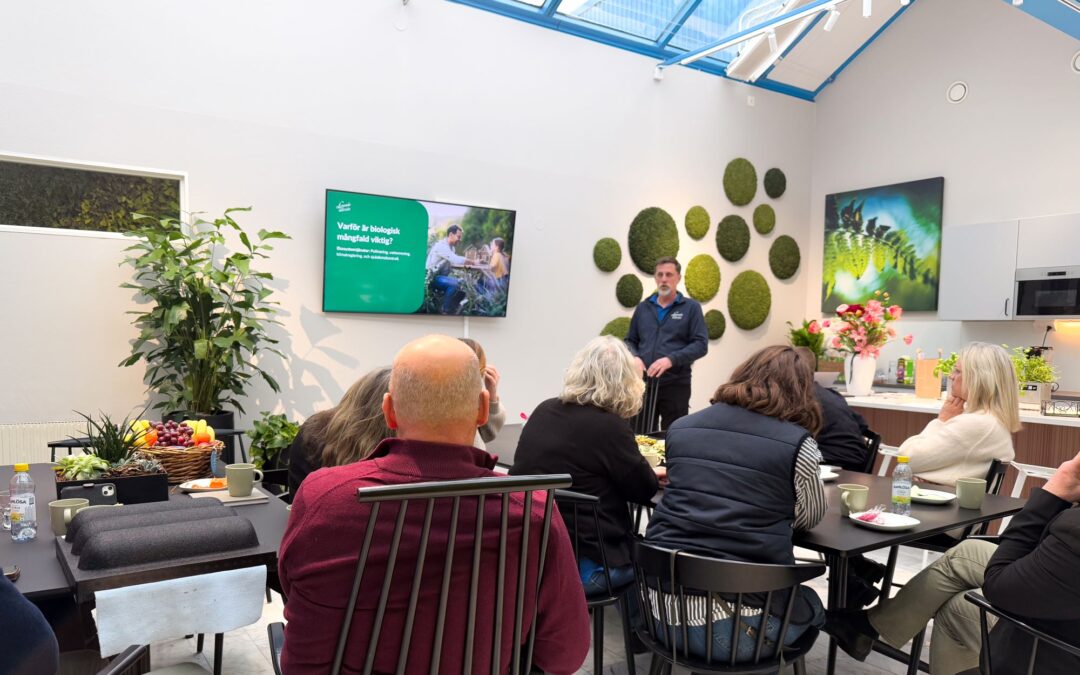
x=27, y=442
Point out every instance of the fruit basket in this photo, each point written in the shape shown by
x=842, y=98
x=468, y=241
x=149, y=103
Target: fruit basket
x=185, y=449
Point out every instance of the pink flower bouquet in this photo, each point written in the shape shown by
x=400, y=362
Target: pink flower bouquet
x=864, y=329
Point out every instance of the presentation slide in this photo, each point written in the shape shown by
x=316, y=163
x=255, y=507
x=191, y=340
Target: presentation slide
x=393, y=255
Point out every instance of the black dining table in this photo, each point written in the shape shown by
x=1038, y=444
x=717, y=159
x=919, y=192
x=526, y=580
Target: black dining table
x=840, y=539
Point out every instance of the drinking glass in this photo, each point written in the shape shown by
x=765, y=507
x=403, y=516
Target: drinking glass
x=5, y=504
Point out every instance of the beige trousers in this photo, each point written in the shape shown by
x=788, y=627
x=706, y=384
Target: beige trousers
x=937, y=593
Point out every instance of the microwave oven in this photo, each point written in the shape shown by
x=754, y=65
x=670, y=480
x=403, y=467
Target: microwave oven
x=1047, y=292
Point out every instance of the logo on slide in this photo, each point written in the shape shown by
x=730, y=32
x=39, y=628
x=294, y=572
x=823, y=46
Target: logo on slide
x=344, y=207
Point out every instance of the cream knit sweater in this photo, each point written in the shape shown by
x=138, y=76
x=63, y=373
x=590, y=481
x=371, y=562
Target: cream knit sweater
x=963, y=447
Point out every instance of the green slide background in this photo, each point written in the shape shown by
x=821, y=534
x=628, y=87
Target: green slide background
x=365, y=285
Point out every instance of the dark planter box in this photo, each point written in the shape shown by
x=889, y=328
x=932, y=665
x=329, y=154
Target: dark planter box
x=129, y=489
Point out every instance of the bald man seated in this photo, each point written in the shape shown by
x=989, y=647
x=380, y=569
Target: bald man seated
x=435, y=403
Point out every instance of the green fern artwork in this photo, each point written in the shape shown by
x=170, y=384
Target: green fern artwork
x=884, y=238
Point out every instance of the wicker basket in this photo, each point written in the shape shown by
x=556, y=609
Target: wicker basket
x=184, y=464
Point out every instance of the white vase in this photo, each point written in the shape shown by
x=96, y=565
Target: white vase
x=859, y=373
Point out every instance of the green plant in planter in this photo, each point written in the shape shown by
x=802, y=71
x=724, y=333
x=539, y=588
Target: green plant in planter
x=945, y=365
x=205, y=323
x=269, y=437
x=1031, y=368
x=112, y=450
x=810, y=335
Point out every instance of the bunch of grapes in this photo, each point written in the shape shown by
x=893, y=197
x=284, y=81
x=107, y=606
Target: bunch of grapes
x=171, y=433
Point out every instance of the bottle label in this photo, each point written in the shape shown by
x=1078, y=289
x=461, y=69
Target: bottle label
x=23, y=508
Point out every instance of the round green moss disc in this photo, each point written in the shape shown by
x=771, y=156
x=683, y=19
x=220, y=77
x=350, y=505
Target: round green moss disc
x=732, y=238
x=749, y=300
x=764, y=219
x=716, y=323
x=653, y=235
x=697, y=222
x=629, y=290
x=607, y=254
x=775, y=183
x=740, y=181
x=784, y=257
x=702, y=278
x=617, y=327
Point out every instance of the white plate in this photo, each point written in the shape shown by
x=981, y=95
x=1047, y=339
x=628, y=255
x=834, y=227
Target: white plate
x=888, y=522
x=931, y=496
x=828, y=476
x=200, y=485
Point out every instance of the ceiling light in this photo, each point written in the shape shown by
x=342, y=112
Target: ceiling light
x=1017, y=3
x=956, y=92
x=868, y=8
x=905, y=3
x=1076, y=62
x=772, y=41
x=834, y=15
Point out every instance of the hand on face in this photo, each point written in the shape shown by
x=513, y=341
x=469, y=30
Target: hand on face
x=1065, y=483
x=953, y=406
x=660, y=366
x=491, y=381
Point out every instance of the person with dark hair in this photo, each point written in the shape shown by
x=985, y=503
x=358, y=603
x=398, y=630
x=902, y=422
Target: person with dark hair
x=742, y=477
x=441, y=260
x=842, y=439
x=30, y=647
x=667, y=334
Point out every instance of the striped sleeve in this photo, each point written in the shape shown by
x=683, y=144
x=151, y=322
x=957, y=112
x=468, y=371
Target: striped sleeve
x=810, y=504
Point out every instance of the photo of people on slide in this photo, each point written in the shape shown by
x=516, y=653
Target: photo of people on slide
x=468, y=263
x=406, y=256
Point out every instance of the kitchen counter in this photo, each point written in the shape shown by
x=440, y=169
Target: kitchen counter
x=909, y=403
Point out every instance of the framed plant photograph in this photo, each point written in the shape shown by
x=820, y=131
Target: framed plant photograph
x=884, y=238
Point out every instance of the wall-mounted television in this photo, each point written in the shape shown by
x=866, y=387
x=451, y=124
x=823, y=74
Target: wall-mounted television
x=393, y=255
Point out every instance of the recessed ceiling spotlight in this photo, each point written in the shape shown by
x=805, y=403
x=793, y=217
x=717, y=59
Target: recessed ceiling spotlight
x=867, y=8
x=905, y=3
x=1017, y=3
x=956, y=92
x=1076, y=62
x=834, y=15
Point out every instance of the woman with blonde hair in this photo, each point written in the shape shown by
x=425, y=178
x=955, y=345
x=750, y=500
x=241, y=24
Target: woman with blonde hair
x=344, y=434
x=976, y=422
x=585, y=432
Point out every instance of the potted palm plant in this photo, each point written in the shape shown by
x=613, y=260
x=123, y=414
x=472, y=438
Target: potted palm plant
x=206, y=314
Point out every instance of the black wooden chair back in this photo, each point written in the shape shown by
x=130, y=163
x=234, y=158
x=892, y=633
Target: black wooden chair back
x=1040, y=638
x=646, y=421
x=453, y=495
x=873, y=444
x=686, y=577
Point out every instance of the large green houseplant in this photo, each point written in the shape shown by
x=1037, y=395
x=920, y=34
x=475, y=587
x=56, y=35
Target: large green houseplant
x=205, y=311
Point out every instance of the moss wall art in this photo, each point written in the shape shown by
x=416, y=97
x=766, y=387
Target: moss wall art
x=617, y=327
x=607, y=254
x=629, y=290
x=740, y=181
x=716, y=323
x=732, y=238
x=749, y=300
x=653, y=235
x=764, y=219
x=775, y=183
x=702, y=279
x=697, y=222
x=784, y=257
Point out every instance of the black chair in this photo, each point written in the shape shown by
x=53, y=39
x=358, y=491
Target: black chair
x=1038, y=636
x=685, y=577
x=451, y=497
x=278, y=482
x=580, y=512
x=646, y=421
x=873, y=444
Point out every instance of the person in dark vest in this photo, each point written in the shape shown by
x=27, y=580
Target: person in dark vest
x=742, y=477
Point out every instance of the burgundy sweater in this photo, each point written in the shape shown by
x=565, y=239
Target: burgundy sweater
x=318, y=557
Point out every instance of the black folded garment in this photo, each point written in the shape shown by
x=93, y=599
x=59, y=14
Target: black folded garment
x=155, y=543
x=127, y=522
x=176, y=502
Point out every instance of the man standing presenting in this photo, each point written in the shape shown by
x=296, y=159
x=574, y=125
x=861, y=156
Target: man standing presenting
x=667, y=334
x=440, y=261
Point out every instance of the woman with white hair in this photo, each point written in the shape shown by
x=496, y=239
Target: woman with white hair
x=976, y=422
x=585, y=432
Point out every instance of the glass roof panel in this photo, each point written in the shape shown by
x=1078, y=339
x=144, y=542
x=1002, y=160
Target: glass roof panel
x=717, y=19
x=534, y=3
x=640, y=18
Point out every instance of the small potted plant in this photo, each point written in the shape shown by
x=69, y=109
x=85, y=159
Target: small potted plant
x=1036, y=376
x=812, y=336
x=113, y=457
x=271, y=435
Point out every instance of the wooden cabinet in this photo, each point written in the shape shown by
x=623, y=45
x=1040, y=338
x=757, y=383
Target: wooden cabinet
x=978, y=263
x=1050, y=241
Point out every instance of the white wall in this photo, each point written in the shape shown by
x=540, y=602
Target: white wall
x=269, y=103
x=1008, y=151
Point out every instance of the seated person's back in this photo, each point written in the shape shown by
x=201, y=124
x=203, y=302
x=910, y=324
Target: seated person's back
x=842, y=439
x=435, y=404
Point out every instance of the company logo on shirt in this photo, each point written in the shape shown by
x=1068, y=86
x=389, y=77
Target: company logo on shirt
x=675, y=316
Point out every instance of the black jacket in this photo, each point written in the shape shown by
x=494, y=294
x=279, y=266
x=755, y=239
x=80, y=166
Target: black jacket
x=682, y=336
x=598, y=450
x=1034, y=574
x=841, y=439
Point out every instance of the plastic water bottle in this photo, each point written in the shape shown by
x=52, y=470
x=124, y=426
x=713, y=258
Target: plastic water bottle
x=901, y=487
x=23, y=505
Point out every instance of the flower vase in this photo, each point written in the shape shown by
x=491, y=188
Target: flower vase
x=859, y=374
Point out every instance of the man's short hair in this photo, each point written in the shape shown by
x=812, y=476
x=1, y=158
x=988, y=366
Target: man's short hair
x=433, y=397
x=453, y=229
x=668, y=260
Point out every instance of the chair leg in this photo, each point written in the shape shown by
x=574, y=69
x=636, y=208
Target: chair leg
x=268, y=598
x=219, y=645
x=624, y=611
x=199, y=644
x=598, y=640
x=890, y=569
x=916, y=652
x=800, y=666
